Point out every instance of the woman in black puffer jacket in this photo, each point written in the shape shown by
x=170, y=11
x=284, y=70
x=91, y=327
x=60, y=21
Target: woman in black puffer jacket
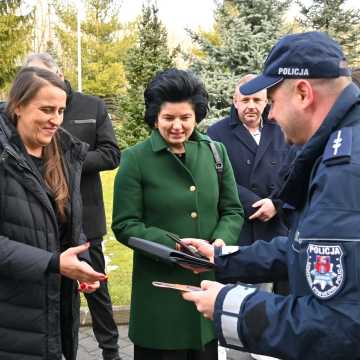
x=40, y=223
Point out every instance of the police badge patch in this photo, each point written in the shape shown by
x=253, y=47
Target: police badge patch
x=325, y=270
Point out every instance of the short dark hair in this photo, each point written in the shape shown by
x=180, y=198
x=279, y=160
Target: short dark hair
x=174, y=86
x=355, y=75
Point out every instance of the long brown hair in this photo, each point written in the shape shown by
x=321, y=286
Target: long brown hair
x=26, y=85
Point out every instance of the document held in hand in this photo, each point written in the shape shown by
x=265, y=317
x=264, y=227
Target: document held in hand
x=167, y=254
x=180, y=287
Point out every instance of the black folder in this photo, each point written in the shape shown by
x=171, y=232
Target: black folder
x=169, y=255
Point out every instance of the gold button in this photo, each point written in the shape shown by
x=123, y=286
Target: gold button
x=194, y=215
x=192, y=188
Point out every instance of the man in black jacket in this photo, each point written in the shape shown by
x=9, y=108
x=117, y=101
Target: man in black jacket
x=86, y=118
x=257, y=150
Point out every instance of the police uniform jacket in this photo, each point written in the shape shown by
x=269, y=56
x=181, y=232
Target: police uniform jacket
x=86, y=118
x=156, y=193
x=37, y=305
x=256, y=168
x=321, y=317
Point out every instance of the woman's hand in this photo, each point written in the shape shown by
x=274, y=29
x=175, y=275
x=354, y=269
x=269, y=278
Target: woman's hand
x=73, y=268
x=86, y=287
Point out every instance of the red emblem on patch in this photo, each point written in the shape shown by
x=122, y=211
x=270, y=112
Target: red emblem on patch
x=322, y=265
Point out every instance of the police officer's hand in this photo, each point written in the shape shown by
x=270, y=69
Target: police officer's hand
x=205, y=300
x=266, y=210
x=73, y=268
x=202, y=246
x=218, y=243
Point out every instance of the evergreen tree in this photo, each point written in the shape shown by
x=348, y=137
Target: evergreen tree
x=104, y=41
x=149, y=56
x=65, y=31
x=15, y=38
x=246, y=30
x=332, y=17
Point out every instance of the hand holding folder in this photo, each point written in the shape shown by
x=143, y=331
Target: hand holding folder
x=190, y=250
x=170, y=255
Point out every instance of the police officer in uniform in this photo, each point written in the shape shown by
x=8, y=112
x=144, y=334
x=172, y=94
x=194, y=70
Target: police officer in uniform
x=317, y=106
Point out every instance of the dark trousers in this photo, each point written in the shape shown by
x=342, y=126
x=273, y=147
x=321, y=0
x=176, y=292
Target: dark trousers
x=210, y=353
x=99, y=303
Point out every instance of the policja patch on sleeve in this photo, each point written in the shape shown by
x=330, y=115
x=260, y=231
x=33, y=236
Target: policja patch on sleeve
x=338, y=147
x=325, y=270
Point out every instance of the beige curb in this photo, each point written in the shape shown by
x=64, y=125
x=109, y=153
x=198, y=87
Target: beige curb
x=121, y=315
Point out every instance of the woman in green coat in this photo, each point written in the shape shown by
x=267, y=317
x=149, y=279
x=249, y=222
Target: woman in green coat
x=169, y=184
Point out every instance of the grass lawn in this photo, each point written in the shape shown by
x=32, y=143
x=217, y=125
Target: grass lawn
x=119, y=265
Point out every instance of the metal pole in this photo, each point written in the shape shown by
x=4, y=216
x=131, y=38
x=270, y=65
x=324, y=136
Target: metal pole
x=79, y=49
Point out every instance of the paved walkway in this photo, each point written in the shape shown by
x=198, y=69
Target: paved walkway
x=88, y=348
